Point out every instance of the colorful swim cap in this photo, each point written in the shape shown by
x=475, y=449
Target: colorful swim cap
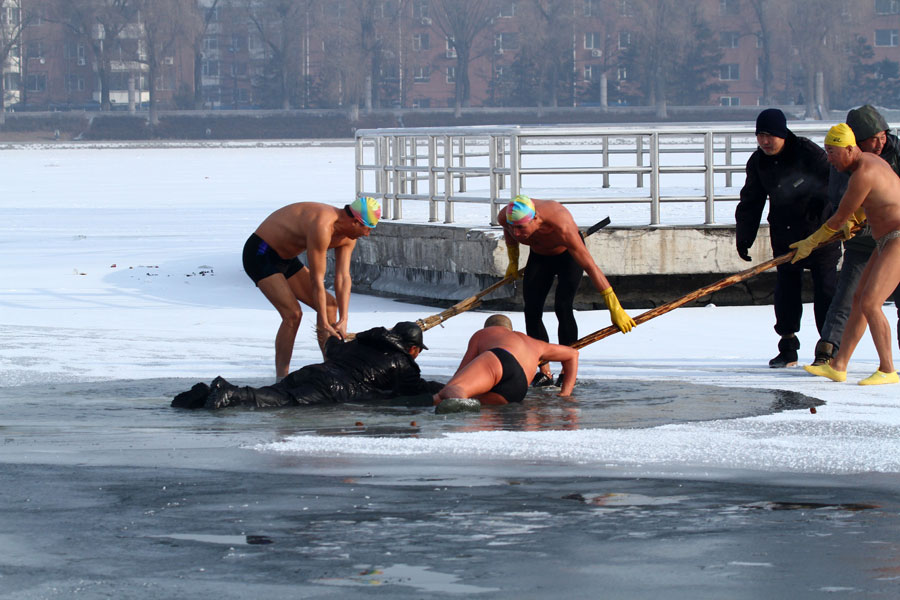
x=520, y=210
x=840, y=135
x=367, y=210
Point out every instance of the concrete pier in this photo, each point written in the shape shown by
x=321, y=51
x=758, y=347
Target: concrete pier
x=648, y=266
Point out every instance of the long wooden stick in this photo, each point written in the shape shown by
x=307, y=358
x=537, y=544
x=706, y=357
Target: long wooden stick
x=473, y=301
x=709, y=289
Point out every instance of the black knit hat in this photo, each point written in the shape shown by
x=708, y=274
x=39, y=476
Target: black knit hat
x=409, y=333
x=865, y=122
x=773, y=122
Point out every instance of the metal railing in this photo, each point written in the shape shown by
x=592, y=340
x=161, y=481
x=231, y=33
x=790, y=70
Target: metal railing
x=490, y=165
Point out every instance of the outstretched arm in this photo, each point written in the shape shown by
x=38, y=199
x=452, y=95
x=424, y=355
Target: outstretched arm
x=568, y=356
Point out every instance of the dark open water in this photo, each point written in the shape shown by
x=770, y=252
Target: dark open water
x=106, y=492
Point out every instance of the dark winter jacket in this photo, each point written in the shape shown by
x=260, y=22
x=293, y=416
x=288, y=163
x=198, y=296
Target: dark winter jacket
x=795, y=181
x=373, y=366
x=837, y=185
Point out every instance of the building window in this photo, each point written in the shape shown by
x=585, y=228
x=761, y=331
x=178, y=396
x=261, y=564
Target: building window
x=508, y=8
x=239, y=69
x=210, y=42
x=730, y=101
x=592, y=8
x=730, y=72
x=422, y=74
x=886, y=37
x=420, y=9
x=74, y=83
x=36, y=82
x=210, y=68
x=591, y=40
x=421, y=42
x=624, y=39
x=451, y=74
x=237, y=43
x=450, y=50
x=588, y=72
x=9, y=16
x=11, y=81
x=729, y=7
x=34, y=50
x=887, y=7
x=506, y=41
x=626, y=8
x=622, y=73
x=729, y=39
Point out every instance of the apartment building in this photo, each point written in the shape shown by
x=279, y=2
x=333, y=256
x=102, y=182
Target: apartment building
x=328, y=55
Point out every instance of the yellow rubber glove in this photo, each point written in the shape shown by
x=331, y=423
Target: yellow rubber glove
x=805, y=247
x=857, y=218
x=619, y=317
x=512, y=270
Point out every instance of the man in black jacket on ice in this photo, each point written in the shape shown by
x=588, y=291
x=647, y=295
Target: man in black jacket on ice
x=792, y=173
x=377, y=365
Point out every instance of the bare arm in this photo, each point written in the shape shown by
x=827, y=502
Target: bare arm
x=317, y=241
x=576, y=247
x=343, y=283
x=568, y=356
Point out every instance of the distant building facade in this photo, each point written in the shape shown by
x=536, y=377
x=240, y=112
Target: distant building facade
x=236, y=54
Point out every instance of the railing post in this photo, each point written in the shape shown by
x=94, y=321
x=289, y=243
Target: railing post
x=493, y=176
x=605, y=139
x=359, y=175
x=432, y=179
x=709, y=158
x=462, y=163
x=728, y=159
x=382, y=146
x=399, y=179
x=654, y=178
x=639, y=155
x=515, y=159
x=448, y=179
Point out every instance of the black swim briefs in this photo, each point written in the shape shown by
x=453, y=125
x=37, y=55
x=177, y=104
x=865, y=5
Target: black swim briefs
x=513, y=384
x=261, y=261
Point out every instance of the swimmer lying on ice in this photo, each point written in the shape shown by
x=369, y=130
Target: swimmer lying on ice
x=377, y=365
x=494, y=368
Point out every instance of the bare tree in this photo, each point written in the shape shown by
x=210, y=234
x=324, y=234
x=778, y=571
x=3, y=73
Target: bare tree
x=465, y=23
x=280, y=25
x=204, y=15
x=548, y=25
x=821, y=37
x=163, y=23
x=99, y=23
x=12, y=22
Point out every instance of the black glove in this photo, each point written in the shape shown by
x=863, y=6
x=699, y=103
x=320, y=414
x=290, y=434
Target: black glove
x=742, y=250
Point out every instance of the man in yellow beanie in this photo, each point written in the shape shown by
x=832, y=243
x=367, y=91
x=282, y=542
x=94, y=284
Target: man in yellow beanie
x=873, y=194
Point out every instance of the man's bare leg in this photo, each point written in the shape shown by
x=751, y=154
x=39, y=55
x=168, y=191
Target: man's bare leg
x=276, y=289
x=880, y=285
x=477, y=377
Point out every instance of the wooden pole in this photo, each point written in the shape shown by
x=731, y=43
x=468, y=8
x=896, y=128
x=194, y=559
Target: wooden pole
x=698, y=293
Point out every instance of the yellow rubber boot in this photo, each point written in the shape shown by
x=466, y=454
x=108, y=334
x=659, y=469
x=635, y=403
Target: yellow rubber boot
x=879, y=378
x=827, y=371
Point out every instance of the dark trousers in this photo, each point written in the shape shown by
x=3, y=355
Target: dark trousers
x=822, y=265
x=540, y=271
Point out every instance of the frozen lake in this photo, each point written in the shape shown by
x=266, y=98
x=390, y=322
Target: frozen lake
x=683, y=466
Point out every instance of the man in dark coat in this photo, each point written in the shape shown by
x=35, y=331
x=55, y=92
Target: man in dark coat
x=792, y=173
x=376, y=366
x=872, y=135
